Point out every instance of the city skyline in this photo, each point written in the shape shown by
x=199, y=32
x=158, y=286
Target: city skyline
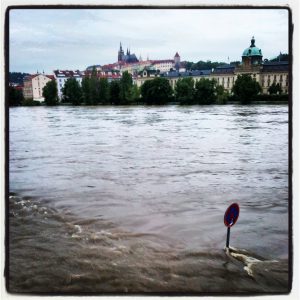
x=49, y=39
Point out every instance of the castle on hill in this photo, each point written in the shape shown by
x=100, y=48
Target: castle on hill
x=126, y=58
x=264, y=72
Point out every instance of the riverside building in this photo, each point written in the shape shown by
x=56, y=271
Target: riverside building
x=264, y=72
x=34, y=84
x=61, y=76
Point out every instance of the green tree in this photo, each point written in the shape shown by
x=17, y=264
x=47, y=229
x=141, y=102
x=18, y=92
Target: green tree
x=146, y=91
x=275, y=89
x=85, y=87
x=184, y=90
x=15, y=97
x=136, y=93
x=156, y=91
x=93, y=88
x=221, y=94
x=126, y=88
x=31, y=102
x=72, y=92
x=203, y=65
x=205, y=91
x=50, y=93
x=17, y=77
x=188, y=65
x=281, y=57
x=103, y=91
x=114, y=92
x=246, y=88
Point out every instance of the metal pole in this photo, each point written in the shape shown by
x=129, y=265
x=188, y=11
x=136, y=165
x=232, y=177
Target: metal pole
x=228, y=237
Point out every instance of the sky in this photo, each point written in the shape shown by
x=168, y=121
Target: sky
x=50, y=39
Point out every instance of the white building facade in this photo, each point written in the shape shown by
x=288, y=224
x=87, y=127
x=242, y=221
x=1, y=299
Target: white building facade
x=34, y=84
x=163, y=65
x=61, y=76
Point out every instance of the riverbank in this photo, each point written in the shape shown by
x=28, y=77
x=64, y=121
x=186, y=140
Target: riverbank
x=260, y=99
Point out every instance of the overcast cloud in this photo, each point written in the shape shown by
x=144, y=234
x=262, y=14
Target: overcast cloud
x=45, y=39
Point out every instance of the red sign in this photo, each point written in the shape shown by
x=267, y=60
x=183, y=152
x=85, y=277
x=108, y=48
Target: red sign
x=231, y=215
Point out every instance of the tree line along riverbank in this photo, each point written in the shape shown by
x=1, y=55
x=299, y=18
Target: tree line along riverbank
x=157, y=91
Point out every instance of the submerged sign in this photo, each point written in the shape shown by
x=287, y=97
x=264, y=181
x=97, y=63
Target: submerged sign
x=231, y=215
x=230, y=218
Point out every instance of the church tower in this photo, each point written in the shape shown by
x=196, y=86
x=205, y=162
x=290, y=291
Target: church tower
x=120, y=53
x=177, y=61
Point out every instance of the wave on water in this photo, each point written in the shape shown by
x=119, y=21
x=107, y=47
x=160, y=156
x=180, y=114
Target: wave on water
x=50, y=251
x=262, y=270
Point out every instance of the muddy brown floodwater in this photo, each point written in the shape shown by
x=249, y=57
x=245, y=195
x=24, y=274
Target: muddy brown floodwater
x=132, y=199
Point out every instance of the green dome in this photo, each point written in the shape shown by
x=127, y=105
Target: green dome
x=252, y=50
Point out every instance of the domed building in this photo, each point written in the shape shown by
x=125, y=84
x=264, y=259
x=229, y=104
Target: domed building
x=264, y=72
x=252, y=55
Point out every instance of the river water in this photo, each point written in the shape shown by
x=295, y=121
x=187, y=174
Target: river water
x=132, y=199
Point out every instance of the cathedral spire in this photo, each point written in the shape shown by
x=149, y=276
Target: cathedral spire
x=120, y=53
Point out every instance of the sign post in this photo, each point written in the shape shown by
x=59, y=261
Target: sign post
x=230, y=218
x=228, y=237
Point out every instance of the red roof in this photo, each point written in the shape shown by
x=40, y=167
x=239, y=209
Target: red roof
x=101, y=75
x=159, y=61
x=19, y=87
x=30, y=77
x=109, y=66
x=67, y=73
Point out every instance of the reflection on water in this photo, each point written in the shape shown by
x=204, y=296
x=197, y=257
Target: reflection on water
x=118, y=199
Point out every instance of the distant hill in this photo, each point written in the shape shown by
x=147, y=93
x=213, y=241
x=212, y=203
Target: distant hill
x=280, y=57
x=202, y=65
x=17, y=77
